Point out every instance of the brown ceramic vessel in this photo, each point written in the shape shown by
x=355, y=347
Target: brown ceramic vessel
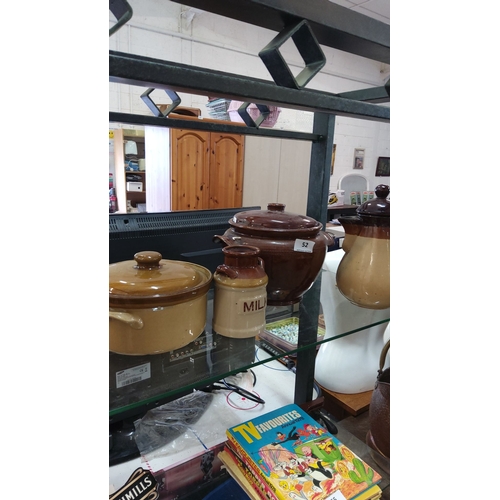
x=292, y=246
x=240, y=297
x=156, y=305
x=363, y=275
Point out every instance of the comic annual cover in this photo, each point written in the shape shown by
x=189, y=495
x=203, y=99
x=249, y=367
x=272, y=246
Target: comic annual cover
x=299, y=458
x=251, y=471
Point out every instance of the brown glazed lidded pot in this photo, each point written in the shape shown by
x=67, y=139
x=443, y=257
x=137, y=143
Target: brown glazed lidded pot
x=363, y=275
x=292, y=246
x=240, y=298
x=156, y=305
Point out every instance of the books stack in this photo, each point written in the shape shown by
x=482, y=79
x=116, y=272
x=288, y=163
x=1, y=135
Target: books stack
x=218, y=108
x=286, y=455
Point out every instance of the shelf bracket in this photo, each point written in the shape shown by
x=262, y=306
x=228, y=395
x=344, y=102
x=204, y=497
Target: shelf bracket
x=309, y=49
x=373, y=95
x=123, y=12
x=174, y=97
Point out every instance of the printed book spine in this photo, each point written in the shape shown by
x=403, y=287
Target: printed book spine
x=238, y=450
x=262, y=487
x=238, y=475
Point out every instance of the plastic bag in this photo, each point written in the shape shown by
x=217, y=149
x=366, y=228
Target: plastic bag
x=163, y=425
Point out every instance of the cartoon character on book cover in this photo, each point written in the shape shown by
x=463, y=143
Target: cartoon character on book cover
x=301, y=458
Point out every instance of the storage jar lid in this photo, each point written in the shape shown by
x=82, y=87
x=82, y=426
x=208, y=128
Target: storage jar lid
x=378, y=206
x=275, y=221
x=150, y=281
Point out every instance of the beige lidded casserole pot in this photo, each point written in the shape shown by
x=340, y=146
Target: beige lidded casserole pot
x=156, y=305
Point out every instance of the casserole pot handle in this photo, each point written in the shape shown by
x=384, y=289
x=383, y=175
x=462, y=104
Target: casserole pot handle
x=133, y=321
x=330, y=239
x=227, y=241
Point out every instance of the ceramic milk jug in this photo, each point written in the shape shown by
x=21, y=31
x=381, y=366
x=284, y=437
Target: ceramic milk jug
x=240, y=296
x=363, y=274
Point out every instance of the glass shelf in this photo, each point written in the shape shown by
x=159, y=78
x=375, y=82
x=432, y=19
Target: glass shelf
x=138, y=383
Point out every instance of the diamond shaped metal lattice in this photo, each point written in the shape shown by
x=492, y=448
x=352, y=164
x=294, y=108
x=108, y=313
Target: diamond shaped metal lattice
x=309, y=49
x=176, y=100
x=249, y=121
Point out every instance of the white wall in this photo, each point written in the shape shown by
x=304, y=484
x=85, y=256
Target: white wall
x=351, y=133
x=167, y=30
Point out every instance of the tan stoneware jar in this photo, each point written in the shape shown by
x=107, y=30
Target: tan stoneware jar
x=156, y=305
x=363, y=275
x=292, y=246
x=240, y=296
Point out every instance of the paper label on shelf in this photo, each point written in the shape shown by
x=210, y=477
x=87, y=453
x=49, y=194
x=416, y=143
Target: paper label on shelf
x=133, y=375
x=303, y=246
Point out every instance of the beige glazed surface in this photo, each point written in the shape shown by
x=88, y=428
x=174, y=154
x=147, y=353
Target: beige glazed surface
x=163, y=328
x=239, y=312
x=240, y=297
x=156, y=305
x=363, y=275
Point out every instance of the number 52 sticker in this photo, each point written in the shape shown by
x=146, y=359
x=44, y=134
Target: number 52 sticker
x=303, y=246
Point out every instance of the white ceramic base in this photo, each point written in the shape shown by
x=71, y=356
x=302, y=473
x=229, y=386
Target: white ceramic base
x=348, y=365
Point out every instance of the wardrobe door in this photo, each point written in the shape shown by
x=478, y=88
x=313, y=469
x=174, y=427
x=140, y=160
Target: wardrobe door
x=190, y=169
x=226, y=170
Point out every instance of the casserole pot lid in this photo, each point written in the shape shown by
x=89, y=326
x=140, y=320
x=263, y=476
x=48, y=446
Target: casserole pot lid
x=378, y=206
x=274, y=221
x=150, y=281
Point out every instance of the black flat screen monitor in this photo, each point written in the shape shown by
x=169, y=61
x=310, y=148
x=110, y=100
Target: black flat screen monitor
x=184, y=235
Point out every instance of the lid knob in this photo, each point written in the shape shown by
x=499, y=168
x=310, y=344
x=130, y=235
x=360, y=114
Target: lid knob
x=382, y=191
x=276, y=207
x=147, y=260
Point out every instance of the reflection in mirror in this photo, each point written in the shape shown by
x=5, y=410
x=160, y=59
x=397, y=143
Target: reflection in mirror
x=127, y=178
x=130, y=148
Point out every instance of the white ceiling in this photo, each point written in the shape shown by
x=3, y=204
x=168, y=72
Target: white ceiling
x=378, y=9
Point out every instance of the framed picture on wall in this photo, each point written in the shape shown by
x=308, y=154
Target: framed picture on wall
x=333, y=158
x=383, y=167
x=359, y=158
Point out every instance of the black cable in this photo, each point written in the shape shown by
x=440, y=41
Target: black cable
x=224, y=385
x=243, y=392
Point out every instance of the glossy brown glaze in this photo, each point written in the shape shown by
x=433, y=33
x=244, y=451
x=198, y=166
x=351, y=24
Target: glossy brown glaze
x=363, y=275
x=242, y=262
x=149, y=281
x=292, y=246
x=156, y=305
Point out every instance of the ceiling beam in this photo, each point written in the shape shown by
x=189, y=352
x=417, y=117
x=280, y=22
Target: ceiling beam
x=333, y=25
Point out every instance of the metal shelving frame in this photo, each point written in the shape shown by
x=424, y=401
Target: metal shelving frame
x=333, y=26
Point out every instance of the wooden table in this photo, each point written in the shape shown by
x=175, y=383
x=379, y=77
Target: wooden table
x=345, y=405
x=337, y=210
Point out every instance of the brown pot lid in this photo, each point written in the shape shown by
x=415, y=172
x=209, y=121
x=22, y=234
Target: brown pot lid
x=275, y=222
x=379, y=205
x=150, y=281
